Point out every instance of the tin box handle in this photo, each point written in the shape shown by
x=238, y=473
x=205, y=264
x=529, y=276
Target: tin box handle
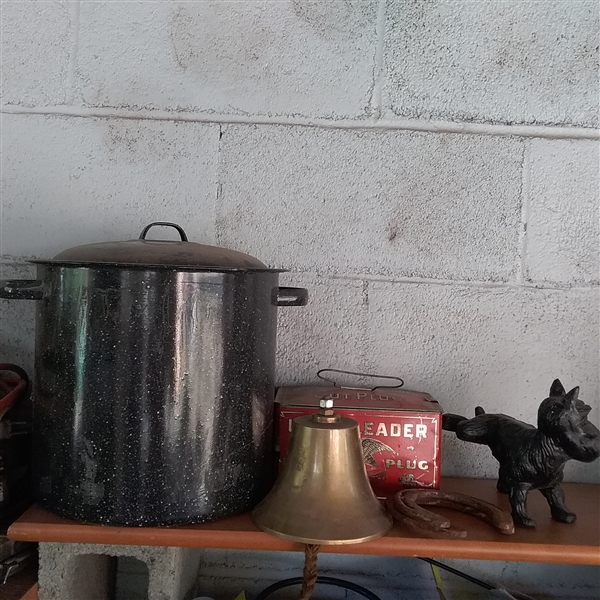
x=335, y=383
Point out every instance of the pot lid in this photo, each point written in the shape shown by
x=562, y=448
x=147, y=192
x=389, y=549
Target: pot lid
x=159, y=253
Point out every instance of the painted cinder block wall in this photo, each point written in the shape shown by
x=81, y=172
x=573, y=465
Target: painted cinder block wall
x=428, y=169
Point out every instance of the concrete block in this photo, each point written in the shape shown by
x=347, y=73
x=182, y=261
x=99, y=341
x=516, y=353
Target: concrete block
x=224, y=573
x=94, y=180
x=502, y=62
x=132, y=579
x=17, y=321
x=72, y=572
x=78, y=571
x=499, y=348
x=399, y=204
x=539, y=580
x=36, y=49
x=326, y=333
x=563, y=229
x=297, y=57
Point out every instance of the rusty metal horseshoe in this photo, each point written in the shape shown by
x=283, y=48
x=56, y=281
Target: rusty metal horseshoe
x=407, y=507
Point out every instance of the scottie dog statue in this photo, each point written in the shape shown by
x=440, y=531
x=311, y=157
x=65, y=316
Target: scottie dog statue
x=533, y=458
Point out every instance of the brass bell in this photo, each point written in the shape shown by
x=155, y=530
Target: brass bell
x=323, y=495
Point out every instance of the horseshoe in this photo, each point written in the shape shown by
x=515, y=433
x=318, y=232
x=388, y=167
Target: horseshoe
x=406, y=506
x=420, y=526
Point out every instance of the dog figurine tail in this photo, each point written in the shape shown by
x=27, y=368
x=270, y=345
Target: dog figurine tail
x=450, y=421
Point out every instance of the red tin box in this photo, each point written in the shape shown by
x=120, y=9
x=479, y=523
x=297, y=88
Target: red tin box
x=400, y=431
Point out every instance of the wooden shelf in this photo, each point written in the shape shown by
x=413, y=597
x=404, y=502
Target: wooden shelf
x=32, y=593
x=551, y=542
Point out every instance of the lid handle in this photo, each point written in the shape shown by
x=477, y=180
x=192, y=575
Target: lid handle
x=164, y=223
x=400, y=381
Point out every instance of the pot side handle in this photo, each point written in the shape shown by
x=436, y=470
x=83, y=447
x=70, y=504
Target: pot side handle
x=290, y=296
x=21, y=289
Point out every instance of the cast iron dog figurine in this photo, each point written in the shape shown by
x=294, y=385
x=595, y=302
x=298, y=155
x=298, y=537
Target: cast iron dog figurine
x=533, y=458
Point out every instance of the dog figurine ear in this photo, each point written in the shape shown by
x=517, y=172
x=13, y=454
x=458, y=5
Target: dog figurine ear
x=557, y=389
x=570, y=403
x=571, y=397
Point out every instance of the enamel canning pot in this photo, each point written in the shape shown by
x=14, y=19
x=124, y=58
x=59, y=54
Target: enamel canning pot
x=154, y=380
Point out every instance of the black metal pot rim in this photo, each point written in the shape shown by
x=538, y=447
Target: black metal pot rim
x=162, y=267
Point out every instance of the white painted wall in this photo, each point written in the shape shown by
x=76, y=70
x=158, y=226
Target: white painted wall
x=428, y=169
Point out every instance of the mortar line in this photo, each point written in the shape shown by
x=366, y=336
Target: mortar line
x=218, y=186
x=74, y=12
x=1, y=138
x=366, y=279
x=508, y=285
x=365, y=330
x=465, y=128
x=378, y=76
x=525, y=214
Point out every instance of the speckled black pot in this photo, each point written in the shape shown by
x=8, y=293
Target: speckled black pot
x=153, y=387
